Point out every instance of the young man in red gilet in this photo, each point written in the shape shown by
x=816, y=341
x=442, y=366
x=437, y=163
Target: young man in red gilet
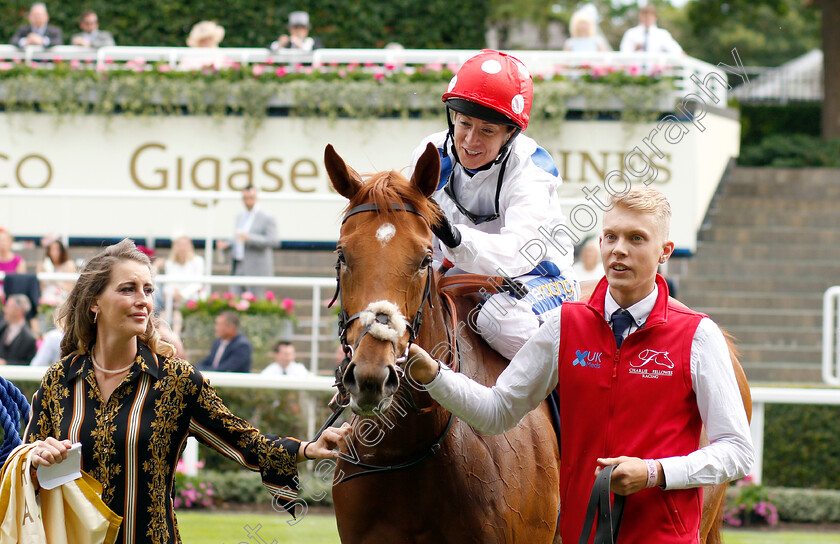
x=637, y=375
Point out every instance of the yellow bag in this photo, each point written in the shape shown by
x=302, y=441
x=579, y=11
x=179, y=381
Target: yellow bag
x=71, y=513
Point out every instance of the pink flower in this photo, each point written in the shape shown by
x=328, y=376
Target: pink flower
x=101, y=68
x=75, y=64
x=192, y=305
x=633, y=70
x=258, y=70
x=379, y=76
x=249, y=296
x=6, y=66
x=163, y=68
x=288, y=305
x=269, y=295
x=109, y=60
x=214, y=296
x=280, y=71
x=242, y=305
x=342, y=74
x=390, y=66
x=57, y=60
x=227, y=295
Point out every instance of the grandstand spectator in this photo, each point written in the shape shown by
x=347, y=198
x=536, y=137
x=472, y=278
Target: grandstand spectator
x=583, y=29
x=284, y=362
x=231, y=351
x=183, y=261
x=49, y=351
x=38, y=31
x=255, y=236
x=647, y=37
x=298, y=37
x=10, y=262
x=120, y=391
x=91, y=36
x=589, y=266
x=56, y=259
x=17, y=343
x=206, y=37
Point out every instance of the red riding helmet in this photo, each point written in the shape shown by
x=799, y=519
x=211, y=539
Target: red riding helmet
x=492, y=86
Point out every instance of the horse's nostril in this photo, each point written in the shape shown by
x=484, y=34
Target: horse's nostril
x=392, y=382
x=350, y=378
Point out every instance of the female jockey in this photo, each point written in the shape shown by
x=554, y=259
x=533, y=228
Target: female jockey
x=498, y=193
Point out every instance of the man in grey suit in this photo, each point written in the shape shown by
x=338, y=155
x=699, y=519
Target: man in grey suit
x=38, y=31
x=91, y=36
x=255, y=236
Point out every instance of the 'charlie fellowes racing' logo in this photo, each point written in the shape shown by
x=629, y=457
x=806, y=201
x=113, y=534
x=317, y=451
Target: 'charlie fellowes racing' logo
x=652, y=364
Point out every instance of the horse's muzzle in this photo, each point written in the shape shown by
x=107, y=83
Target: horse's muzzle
x=369, y=384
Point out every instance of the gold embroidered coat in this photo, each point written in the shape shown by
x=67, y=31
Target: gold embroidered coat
x=131, y=444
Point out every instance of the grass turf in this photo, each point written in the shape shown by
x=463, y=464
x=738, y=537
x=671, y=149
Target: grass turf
x=233, y=528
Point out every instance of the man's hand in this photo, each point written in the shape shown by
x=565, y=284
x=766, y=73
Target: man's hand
x=420, y=367
x=243, y=237
x=33, y=38
x=447, y=233
x=631, y=474
x=80, y=41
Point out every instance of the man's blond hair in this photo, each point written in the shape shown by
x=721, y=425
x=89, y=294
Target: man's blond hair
x=645, y=199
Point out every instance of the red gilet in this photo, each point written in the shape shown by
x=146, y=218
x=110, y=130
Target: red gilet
x=636, y=401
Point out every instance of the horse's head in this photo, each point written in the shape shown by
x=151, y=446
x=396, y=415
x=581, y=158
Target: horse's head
x=384, y=271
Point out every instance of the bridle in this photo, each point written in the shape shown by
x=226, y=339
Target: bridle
x=345, y=320
x=342, y=398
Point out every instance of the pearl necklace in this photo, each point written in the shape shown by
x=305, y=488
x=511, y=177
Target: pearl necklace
x=107, y=371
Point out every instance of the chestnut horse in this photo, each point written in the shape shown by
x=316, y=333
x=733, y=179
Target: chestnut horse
x=411, y=472
x=423, y=476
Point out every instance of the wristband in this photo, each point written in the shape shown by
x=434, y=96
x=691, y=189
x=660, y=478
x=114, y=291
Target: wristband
x=304, y=452
x=651, y=469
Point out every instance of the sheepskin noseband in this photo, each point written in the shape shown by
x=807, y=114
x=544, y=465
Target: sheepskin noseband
x=383, y=321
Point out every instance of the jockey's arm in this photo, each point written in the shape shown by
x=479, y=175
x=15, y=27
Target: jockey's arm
x=520, y=245
x=526, y=382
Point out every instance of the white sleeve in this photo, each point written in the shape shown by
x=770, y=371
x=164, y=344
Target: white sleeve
x=730, y=454
x=526, y=382
x=627, y=42
x=530, y=204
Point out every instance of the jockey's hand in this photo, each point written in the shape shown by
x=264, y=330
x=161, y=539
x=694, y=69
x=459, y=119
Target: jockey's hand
x=420, y=366
x=447, y=233
x=630, y=476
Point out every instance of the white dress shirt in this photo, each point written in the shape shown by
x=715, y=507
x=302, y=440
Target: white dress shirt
x=650, y=40
x=294, y=369
x=532, y=374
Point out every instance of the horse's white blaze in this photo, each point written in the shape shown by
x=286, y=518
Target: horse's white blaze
x=385, y=233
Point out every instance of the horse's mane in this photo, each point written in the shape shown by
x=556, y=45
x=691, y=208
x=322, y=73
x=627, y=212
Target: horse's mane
x=384, y=188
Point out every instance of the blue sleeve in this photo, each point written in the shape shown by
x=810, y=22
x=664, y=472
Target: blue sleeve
x=543, y=159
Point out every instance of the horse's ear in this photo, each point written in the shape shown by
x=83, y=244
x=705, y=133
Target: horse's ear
x=427, y=171
x=345, y=180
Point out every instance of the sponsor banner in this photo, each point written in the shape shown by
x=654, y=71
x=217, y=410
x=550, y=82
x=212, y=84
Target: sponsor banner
x=152, y=157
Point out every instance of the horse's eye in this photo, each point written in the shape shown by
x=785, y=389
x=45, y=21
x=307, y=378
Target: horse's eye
x=427, y=261
x=341, y=259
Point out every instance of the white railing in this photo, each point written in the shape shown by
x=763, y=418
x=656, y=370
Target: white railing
x=761, y=396
x=831, y=336
x=541, y=63
x=781, y=395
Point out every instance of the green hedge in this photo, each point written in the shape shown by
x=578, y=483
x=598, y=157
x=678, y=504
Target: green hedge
x=792, y=151
x=437, y=24
x=760, y=121
x=801, y=445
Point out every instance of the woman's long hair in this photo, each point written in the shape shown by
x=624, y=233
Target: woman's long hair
x=76, y=318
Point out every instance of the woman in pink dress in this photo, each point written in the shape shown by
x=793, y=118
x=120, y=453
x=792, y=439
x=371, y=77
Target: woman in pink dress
x=10, y=262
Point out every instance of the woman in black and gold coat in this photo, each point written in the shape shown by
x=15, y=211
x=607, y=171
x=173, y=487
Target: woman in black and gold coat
x=119, y=390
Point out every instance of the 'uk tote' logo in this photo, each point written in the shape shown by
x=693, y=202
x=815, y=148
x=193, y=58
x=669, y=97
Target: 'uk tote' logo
x=587, y=359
